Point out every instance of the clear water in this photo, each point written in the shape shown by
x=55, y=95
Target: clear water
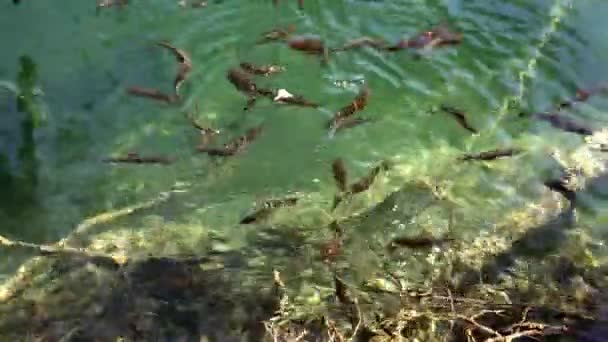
x=517, y=55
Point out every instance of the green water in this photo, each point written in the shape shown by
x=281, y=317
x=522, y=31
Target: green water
x=516, y=56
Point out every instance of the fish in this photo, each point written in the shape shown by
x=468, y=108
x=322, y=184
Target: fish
x=264, y=70
x=285, y=97
x=333, y=248
x=359, y=103
x=341, y=291
x=437, y=37
x=460, y=117
x=281, y=202
x=268, y=208
x=135, y=158
x=348, y=122
x=256, y=216
x=582, y=95
x=207, y=133
x=357, y=187
x=280, y=33
x=364, y=183
x=338, y=198
x=564, y=123
x=447, y=37
x=362, y=41
x=493, y=154
x=307, y=44
x=559, y=186
x=184, y=64
x=340, y=174
x=417, y=242
x=234, y=147
x=152, y=94
x=199, y=4
x=243, y=83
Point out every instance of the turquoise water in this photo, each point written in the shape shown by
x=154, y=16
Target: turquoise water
x=516, y=56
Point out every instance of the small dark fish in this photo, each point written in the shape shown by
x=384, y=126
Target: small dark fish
x=493, y=154
x=296, y=100
x=348, y=122
x=559, y=185
x=564, y=123
x=199, y=4
x=447, y=37
x=419, y=41
x=308, y=44
x=242, y=81
x=460, y=117
x=417, y=242
x=234, y=147
x=338, y=198
x=152, y=94
x=281, y=202
x=359, y=103
x=268, y=208
x=364, y=183
x=276, y=34
x=582, y=95
x=135, y=158
x=437, y=37
x=340, y=174
x=207, y=133
x=184, y=64
x=341, y=291
x=331, y=249
x=602, y=148
x=256, y=216
x=359, y=186
x=16, y=2
x=264, y=70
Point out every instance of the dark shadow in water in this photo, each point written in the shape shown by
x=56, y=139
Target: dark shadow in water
x=154, y=299
x=19, y=186
x=537, y=242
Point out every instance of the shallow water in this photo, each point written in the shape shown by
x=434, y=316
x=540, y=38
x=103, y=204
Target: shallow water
x=516, y=56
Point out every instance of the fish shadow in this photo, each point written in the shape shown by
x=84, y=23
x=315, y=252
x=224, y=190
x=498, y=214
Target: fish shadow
x=536, y=243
